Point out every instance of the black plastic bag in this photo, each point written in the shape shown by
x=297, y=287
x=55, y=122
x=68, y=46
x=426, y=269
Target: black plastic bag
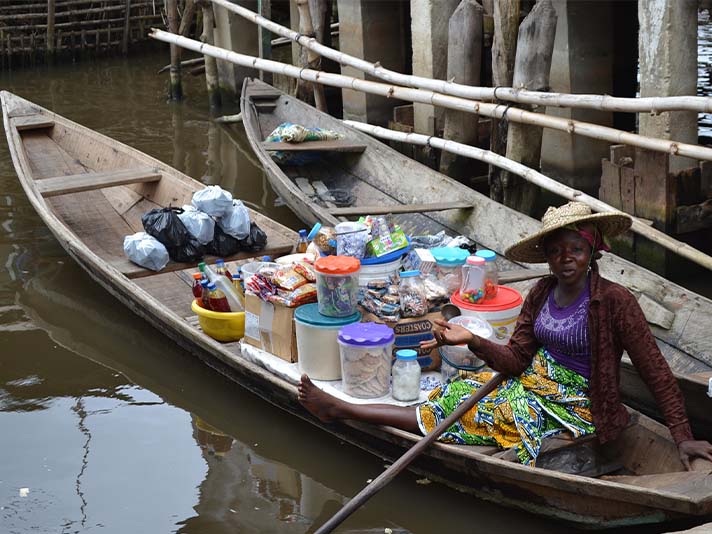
x=256, y=241
x=164, y=225
x=189, y=252
x=223, y=245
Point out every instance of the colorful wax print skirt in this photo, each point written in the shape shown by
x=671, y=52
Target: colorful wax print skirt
x=547, y=399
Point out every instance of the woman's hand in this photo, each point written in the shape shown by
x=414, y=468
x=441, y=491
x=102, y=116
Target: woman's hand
x=692, y=449
x=448, y=334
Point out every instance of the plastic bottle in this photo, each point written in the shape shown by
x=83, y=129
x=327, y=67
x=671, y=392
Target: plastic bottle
x=197, y=289
x=413, y=299
x=491, y=273
x=218, y=300
x=267, y=259
x=224, y=285
x=406, y=376
x=205, y=294
x=472, y=289
x=302, y=242
x=220, y=269
x=239, y=284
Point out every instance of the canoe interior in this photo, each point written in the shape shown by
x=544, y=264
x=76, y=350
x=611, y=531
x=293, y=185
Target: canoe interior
x=638, y=478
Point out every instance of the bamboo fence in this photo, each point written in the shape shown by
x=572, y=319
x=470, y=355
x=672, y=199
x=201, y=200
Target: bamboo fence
x=639, y=226
x=507, y=94
x=33, y=29
x=496, y=111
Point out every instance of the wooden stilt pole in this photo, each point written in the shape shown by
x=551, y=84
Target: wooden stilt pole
x=464, y=60
x=535, y=46
x=50, y=27
x=265, y=37
x=127, y=28
x=176, y=89
x=504, y=48
x=211, y=65
x=309, y=59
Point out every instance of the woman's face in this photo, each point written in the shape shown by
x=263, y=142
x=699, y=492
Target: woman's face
x=568, y=255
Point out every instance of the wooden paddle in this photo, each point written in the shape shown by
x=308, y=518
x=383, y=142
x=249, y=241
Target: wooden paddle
x=412, y=453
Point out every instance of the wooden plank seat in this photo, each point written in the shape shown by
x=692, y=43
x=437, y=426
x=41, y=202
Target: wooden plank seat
x=399, y=208
x=32, y=122
x=315, y=146
x=75, y=183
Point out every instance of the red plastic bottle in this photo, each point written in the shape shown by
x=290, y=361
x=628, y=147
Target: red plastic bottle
x=222, y=270
x=218, y=300
x=205, y=294
x=197, y=289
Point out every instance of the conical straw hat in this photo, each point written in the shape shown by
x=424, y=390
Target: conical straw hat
x=530, y=249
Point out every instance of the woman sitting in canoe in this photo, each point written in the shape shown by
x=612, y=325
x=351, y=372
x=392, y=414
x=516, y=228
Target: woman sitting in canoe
x=563, y=356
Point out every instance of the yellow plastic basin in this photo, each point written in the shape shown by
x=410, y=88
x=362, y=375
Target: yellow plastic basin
x=219, y=325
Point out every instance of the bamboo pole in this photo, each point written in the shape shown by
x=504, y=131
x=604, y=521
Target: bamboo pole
x=50, y=27
x=509, y=94
x=127, y=28
x=211, y=66
x=265, y=37
x=309, y=58
x=176, y=90
x=186, y=63
x=639, y=226
x=496, y=111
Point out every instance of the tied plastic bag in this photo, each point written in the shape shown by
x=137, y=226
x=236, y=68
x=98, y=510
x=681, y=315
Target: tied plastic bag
x=190, y=252
x=223, y=245
x=146, y=251
x=236, y=221
x=296, y=133
x=213, y=200
x=164, y=225
x=256, y=241
x=201, y=226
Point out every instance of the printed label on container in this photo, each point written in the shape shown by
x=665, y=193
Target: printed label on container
x=252, y=326
x=414, y=327
x=414, y=340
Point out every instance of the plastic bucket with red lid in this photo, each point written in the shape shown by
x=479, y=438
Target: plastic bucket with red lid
x=501, y=312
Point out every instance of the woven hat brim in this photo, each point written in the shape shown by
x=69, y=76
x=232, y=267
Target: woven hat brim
x=529, y=249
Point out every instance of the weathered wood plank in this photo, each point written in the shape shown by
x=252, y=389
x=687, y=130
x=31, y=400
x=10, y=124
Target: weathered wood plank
x=74, y=183
x=32, y=122
x=315, y=146
x=692, y=218
x=401, y=208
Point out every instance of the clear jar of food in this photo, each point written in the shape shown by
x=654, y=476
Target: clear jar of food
x=337, y=285
x=323, y=238
x=366, y=354
x=411, y=291
x=448, y=267
x=472, y=289
x=406, y=376
x=491, y=273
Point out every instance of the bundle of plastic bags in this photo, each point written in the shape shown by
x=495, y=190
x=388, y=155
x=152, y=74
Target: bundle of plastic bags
x=146, y=251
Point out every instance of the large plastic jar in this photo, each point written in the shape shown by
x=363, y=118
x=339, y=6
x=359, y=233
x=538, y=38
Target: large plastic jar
x=472, y=288
x=491, y=272
x=351, y=239
x=366, y=355
x=500, y=312
x=337, y=285
x=411, y=291
x=460, y=357
x=448, y=263
x=406, y=376
x=317, y=348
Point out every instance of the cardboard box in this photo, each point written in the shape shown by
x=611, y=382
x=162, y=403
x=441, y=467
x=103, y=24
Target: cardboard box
x=270, y=327
x=409, y=333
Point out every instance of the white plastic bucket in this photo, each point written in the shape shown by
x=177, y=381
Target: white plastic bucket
x=500, y=312
x=379, y=271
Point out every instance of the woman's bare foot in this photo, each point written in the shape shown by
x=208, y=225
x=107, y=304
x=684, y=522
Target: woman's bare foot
x=319, y=403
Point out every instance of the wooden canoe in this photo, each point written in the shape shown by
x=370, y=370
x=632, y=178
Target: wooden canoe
x=640, y=479
x=377, y=175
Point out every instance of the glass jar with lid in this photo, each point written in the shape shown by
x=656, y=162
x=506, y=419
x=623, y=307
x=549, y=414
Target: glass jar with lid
x=472, y=289
x=448, y=263
x=491, y=273
x=413, y=299
x=406, y=376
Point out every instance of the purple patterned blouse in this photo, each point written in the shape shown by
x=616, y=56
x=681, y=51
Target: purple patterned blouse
x=564, y=332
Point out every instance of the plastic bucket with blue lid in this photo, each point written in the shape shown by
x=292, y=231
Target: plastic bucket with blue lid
x=317, y=348
x=366, y=352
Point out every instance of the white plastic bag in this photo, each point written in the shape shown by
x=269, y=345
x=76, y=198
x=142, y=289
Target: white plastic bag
x=236, y=221
x=213, y=200
x=200, y=225
x=146, y=251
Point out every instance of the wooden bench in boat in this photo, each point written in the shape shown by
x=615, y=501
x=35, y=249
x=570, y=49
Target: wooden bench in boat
x=75, y=183
x=399, y=208
x=32, y=122
x=314, y=146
